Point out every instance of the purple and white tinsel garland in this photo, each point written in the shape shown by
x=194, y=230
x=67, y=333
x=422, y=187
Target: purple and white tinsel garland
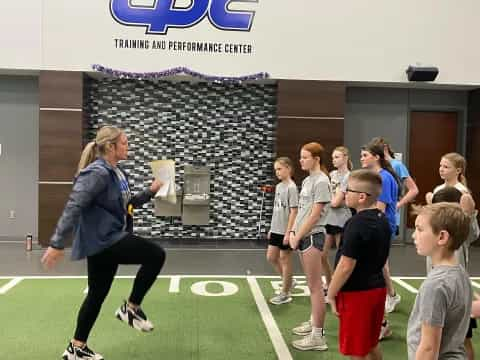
x=177, y=71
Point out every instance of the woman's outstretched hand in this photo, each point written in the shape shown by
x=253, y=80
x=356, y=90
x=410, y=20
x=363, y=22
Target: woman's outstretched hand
x=51, y=257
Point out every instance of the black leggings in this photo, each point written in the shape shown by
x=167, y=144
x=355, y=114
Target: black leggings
x=101, y=272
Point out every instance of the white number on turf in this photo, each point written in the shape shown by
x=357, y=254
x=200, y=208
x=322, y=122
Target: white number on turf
x=300, y=290
x=228, y=289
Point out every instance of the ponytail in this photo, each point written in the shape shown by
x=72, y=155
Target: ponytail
x=89, y=154
x=349, y=165
x=325, y=170
x=385, y=164
x=106, y=137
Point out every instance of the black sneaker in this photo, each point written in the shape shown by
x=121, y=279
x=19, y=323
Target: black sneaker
x=135, y=318
x=77, y=353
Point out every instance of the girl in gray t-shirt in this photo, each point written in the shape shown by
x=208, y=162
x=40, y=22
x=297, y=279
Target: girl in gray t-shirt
x=308, y=237
x=338, y=213
x=284, y=212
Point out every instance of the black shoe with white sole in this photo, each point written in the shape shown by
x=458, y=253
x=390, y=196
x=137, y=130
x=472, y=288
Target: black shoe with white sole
x=80, y=353
x=134, y=318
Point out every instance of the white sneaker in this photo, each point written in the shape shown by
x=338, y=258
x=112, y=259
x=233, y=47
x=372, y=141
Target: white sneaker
x=391, y=302
x=281, y=299
x=303, y=329
x=77, y=353
x=134, y=318
x=311, y=342
x=385, y=331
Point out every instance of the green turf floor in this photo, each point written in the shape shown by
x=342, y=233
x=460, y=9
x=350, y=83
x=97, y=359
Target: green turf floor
x=38, y=318
x=289, y=315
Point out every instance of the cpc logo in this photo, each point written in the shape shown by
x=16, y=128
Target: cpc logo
x=163, y=15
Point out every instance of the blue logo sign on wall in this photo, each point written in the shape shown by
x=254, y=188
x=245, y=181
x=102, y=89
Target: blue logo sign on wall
x=163, y=15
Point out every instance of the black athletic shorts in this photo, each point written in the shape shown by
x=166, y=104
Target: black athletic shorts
x=333, y=229
x=316, y=240
x=277, y=240
x=473, y=325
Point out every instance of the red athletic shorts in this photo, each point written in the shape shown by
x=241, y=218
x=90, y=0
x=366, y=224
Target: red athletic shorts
x=361, y=316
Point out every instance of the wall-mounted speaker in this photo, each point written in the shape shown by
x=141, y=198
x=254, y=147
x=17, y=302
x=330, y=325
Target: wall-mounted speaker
x=419, y=73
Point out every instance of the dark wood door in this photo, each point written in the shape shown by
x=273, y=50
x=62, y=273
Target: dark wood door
x=432, y=134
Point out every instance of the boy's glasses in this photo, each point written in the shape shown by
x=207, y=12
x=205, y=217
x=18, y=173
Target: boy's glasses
x=358, y=192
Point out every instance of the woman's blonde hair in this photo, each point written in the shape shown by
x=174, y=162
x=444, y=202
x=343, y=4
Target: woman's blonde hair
x=344, y=150
x=106, y=137
x=458, y=162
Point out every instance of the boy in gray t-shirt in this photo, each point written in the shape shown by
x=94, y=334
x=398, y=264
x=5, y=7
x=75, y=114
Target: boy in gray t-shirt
x=439, y=319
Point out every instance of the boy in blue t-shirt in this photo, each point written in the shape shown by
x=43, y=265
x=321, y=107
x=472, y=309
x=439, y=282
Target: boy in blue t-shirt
x=404, y=176
x=388, y=197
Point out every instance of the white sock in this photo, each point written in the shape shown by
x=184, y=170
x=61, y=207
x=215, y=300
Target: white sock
x=317, y=331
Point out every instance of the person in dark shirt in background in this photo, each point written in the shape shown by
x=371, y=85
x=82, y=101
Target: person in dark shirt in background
x=358, y=291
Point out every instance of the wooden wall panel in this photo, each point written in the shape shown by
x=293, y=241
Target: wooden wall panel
x=60, y=141
x=311, y=98
x=309, y=111
x=61, y=89
x=293, y=133
x=60, y=144
x=52, y=201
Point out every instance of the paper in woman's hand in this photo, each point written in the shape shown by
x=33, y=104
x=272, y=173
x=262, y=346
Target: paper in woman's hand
x=164, y=170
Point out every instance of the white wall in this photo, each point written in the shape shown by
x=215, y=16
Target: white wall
x=346, y=40
x=21, y=34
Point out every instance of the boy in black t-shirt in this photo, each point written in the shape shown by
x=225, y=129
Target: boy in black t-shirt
x=357, y=292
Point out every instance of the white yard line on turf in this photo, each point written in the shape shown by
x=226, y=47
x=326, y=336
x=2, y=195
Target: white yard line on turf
x=9, y=285
x=174, y=284
x=475, y=284
x=278, y=342
x=405, y=285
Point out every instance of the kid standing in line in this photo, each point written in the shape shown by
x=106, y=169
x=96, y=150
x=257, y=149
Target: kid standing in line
x=279, y=253
x=373, y=157
x=411, y=192
x=357, y=292
x=338, y=213
x=453, y=195
x=441, y=314
x=308, y=237
x=452, y=171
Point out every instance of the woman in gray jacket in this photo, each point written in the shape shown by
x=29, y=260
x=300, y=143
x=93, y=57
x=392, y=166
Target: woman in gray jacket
x=99, y=213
